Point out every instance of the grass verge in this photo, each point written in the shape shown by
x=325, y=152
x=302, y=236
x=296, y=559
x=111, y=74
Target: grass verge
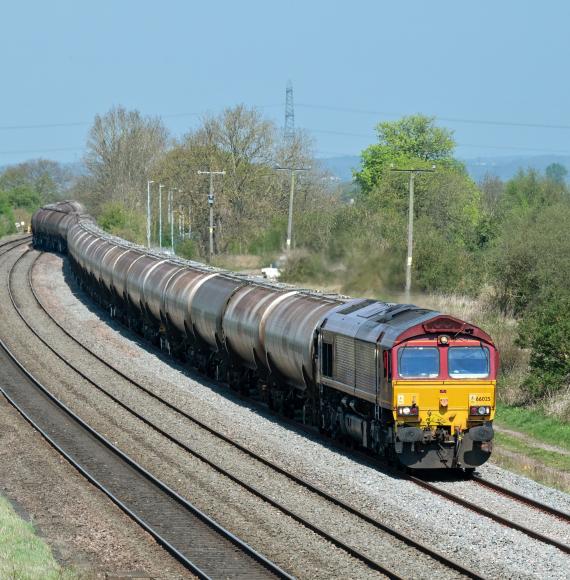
x=534, y=423
x=545, y=467
x=23, y=555
x=549, y=458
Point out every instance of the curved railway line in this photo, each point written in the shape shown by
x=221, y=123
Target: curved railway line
x=426, y=485
x=205, y=548
x=264, y=565
x=299, y=517
x=6, y=246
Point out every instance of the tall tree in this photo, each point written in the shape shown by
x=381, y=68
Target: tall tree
x=412, y=140
x=251, y=196
x=40, y=179
x=122, y=149
x=556, y=172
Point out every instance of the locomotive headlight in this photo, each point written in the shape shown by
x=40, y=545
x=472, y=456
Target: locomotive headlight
x=407, y=411
x=479, y=410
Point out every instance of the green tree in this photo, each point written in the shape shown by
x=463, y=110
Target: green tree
x=116, y=219
x=6, y=215
x=251, y=199
x=410, y=141
x=546, y=331
x=48, y=180
x=532, y=257
x=556, y=172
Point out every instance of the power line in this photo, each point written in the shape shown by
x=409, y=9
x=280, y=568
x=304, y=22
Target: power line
x=87, y=123
x=311, y=106
x=28, y=151
x=449, y=119
x=473, y=145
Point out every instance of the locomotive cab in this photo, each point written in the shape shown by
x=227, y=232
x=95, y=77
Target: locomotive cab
x=443, y=397
x=408, y=383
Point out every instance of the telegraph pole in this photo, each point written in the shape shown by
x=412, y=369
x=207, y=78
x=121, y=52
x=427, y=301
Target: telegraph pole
x=148, y=212
x=293, y=171
x=171, y=217
x=412, y=173
x=211, y=204
x=160, y=215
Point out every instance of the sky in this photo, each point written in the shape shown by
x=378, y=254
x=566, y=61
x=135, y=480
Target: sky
x=494, y=72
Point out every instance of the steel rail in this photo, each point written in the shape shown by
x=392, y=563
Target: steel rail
x=229, y=547
x=485, y=512
x=296, y=479
x=370, y=562
x=522, y=498
x=17, y=243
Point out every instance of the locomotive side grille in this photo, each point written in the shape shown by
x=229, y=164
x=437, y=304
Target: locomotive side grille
x=343, y=368
x=365, y=365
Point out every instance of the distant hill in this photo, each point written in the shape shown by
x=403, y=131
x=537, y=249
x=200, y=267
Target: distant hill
x=502, y=167
x=507, y=167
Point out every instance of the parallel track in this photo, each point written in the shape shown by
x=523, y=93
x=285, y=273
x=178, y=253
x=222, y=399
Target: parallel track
x=522, y=498
x=298, y=480
x=489, y=514
x=6, y=246
x=202, y=545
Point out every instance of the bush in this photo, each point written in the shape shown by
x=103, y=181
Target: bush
x=6, y=216
x=305, y=268
x=117, y=220
x=187, y=249
x=26, y=198
x=546, y=331
x=270, y=240
x=532, y=257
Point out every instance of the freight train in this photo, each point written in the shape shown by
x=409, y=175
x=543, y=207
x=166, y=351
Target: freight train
x=404, y=382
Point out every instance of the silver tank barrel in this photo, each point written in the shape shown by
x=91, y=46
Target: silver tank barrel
x=178, y=294
x=243, y=317
x=154, y=284
x=288, y=334
x=208, y=306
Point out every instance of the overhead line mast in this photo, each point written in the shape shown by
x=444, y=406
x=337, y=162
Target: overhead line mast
x=289, y=113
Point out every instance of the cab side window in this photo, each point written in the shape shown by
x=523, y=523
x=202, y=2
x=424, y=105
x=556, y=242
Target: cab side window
x=327, y=359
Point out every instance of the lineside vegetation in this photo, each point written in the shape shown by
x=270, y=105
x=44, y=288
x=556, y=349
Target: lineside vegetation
x=23, y=554
x=500, y=250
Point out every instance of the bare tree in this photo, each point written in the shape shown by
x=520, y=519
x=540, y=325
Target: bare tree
x=122, y=148
x=251, y=196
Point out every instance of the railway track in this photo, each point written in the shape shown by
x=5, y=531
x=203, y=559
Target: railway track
x=299, y=517
x=426, y=550
x=547, y=509
x=379, y=463
x=6, y=246
x=202, y=545
x=497, y=517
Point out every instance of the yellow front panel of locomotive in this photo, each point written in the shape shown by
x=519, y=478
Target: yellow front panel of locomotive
x=443, y=403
